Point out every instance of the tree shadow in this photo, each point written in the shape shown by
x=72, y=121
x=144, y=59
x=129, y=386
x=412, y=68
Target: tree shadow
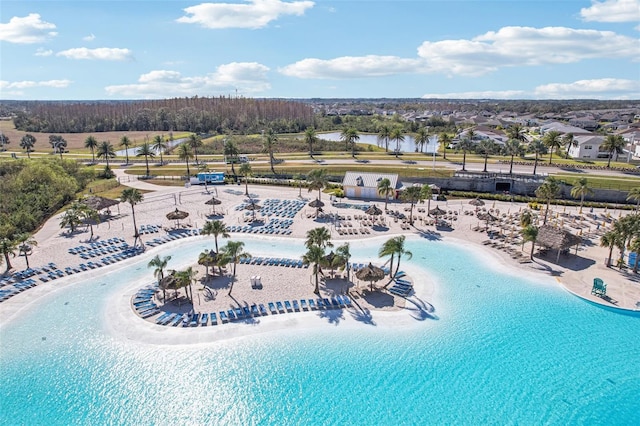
x=421, y=310
x=363, y=315
x=377, y=299
x=333, y=316
x=430, y=235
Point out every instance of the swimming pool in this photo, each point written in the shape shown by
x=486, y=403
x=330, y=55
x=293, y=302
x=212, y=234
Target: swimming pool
x=498, y=349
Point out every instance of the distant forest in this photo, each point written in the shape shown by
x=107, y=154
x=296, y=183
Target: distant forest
x=200, y=115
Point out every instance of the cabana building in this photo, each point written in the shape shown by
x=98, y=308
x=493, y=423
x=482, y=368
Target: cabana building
x=556, y=239
x=365, y=185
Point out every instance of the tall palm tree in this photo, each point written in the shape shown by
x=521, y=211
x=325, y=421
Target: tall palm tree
x=26, y=243
x=394, y=247
x=126, y=143
x=350, y=136
x=91, y=143
x=58, y=143
x=465, y=144
x=8, y=247
x=384, y=132
x=133, y=196
x=569, y=141
x=310, y=137
x=105, y=151
x=233, y=252
x=319, y=236
x=538, y=148
x=217, y=228
x=317, y=179
x=530, y=233
x=245, y=170
x=549, y=190
x=345, y=254
x=610, y=239
x=159, y=146
x=72, y=216
x=27, y=142
x=231, y=153
x=581, y=189
x=421, y=138
x=146, y=151
x=516, y=131
x=298, y=178
x=426, y=193
x=314, y=255
x=269, y=142
x=194, y=141
x=4, y=140
x=185, y=154
x=513, y=148
x=634, y=194
x=412, y=195
x=160, y=264
x=397, y=134
x=445, y=140
x=552, y=140
x=485, y=147
x=635, y=247
x=385, y=189
x=88, y=215
x=613, y=144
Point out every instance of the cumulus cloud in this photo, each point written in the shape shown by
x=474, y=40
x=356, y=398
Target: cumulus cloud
x=502, y=94
x=43, y=52
x=90, y=37
x=255, y=14
x=101, y=53
x=26, y=84
x=27, y=30
x=612, y=11
x=248, y=77
x=604, y=88
x=352, y=67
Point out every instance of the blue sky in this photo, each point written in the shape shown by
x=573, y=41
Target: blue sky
x=144, y=49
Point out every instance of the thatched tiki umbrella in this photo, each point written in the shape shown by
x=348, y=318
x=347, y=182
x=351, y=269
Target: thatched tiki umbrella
x=476, y=202
x=373, y=211
x=100, y=203
x=437, y=212
x=252, y=207
x=555, y=238
x=316, y=204
x=213, y=202
x=333, y=261
x=487, y=217
x=177, y=215
x=370, y=273
x=167, y=283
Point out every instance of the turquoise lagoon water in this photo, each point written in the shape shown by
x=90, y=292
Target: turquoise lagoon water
x=498, y=349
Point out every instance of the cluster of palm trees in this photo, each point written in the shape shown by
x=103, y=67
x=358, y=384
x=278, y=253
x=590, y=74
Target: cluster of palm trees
x=623, y=235
x=317, y=241
x=394, y=248
x=78, y=214
x=23, y=244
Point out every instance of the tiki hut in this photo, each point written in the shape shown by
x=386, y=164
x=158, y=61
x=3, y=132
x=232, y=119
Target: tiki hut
x=373, y=210
x=554, y=238
x=99, y=203
x=317, y=204
x=177, y=215
x=213, y=201
x=370, y=273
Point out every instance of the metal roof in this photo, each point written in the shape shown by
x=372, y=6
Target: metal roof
x=368, y=180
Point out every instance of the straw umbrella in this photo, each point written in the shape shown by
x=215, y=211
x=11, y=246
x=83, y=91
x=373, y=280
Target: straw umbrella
x=370, y=273
x=177, y=215
x=476, y=202
x=437, y=212
x=316, y=204
x=99, y=203
x=252, y=207
x=555, y=238
x=213, y=202
x=373, y=211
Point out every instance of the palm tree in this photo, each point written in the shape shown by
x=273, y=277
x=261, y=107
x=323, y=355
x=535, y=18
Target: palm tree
x=530, y=233
x=426, y=193
x=635, y=247
x=513, y=148
x=315, y=255
x=634, y=195
x=569, y=142
x=105, y=150
x=549, y=190
x=344, y=253
x=194, y=141
x=146, y=150
x=384, y=132
x=412, y=195
x=26, y=243
x=516, y=131
x=349, y=136
x=208, y=258
x=580, y=190
x=232, y=253
x=245, y=170
x=397, y=134
x=133, y=196
x=89, y=216
x=58, y=143
x=552, y=140
x=385, y=189
x=159, y=263
x=4, y=140
x=269, y=142
x=445, y=140
x=319, y=236
x=159, y=146
x=526, y=218
x=310, y=138
x=185, y=154
x=92, y=144
x=610, y=239
x=231, y=153
x=298, y=178
x=126, y=142
x=72, y=216
x=317, y=179
x=465, y=144
x=537, y=147
x=27, y=142
x=485, y=147
x=394, y=247
x=217, y=228
x=421, y=138
x=8, y=247
x=613, y=144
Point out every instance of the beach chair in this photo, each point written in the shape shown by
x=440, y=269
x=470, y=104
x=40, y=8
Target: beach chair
x=204, y=318
x=287, y=305
x=599, y=287
x=280, y=306
x=223, y=316
x=214, y=318
x=272, y=308
x=263, y=310
x=303, y=304
x=296, y=306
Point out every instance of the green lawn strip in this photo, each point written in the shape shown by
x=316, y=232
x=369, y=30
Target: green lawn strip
x=602, y=182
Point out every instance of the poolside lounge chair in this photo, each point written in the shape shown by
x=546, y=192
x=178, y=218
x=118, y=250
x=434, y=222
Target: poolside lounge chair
x=272, y=308
x=287, y=305
x=214, y=318
x=599, y=287
x=263, y=310
x=303, y=304
x=204, y=318
x=254, y=310
x=223, y=316
x=280, y=306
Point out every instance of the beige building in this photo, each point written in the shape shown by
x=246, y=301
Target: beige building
x=365, y=185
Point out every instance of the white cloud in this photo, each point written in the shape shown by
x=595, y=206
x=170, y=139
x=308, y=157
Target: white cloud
x=90, y=37
x=612, y=11
x=100, y=53
x=43, y=52
x=27, y=30
x=247, y=77
x=604, y=88
x=254, y=14
x=26, y=84
x=507, y=47
x=502, y=94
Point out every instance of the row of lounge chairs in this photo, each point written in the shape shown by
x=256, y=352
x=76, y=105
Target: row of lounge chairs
x=353, y=231
x=240, y=313
x=258, y=230
x=97, y=245
x=172, y=236
x=149, y=229
x=274, y=261
x=143, y=302
x=401, y=287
